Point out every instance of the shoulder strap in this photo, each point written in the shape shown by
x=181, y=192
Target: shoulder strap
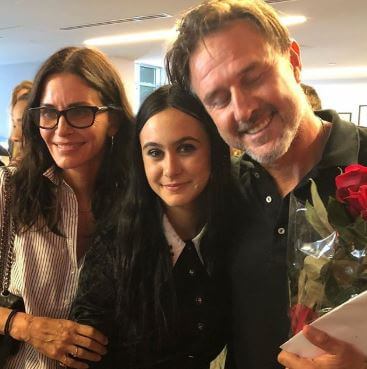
x=7, y=235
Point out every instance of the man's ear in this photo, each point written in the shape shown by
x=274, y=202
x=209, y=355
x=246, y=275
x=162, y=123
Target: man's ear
x=295, y=59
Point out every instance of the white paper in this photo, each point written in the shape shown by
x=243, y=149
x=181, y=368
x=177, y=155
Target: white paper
x=347, y=322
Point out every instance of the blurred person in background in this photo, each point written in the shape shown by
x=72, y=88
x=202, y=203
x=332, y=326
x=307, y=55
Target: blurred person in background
x=312, y=96
x=16, y=133
x=20, y=92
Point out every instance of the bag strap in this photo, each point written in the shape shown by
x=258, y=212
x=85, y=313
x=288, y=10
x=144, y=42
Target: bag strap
x=7, y=235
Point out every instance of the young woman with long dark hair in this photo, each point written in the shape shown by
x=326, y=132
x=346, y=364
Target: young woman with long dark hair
x=155, y=284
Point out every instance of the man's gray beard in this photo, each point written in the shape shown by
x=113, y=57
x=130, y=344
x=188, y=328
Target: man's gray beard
x=270, y=157
x=280, y=148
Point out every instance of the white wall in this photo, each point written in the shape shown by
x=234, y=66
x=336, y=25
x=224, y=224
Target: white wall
x=126, y=69
x=10, y=76
x=342, y=95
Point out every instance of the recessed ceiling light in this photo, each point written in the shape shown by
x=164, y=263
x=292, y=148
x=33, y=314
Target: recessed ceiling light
x=129, y=38
x=291, y=20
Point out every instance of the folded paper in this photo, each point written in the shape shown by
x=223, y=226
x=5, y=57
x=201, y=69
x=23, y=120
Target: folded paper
x=346, y=322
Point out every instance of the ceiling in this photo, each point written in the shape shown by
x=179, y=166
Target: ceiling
x=335, y=35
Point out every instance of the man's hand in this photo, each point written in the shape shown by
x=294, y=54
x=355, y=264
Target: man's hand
x=339, y=354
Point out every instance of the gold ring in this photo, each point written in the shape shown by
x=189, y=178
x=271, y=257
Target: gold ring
x=76, y=351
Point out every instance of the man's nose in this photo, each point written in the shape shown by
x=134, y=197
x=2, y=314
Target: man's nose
x=242, y=104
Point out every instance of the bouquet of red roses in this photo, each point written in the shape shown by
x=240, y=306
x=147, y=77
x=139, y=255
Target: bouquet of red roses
x=328, y=248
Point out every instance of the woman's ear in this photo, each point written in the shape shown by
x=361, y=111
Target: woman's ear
x=114, y=124
x=295, y=59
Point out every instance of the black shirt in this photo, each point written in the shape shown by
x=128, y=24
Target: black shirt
x=258, y=265
x=199, y=331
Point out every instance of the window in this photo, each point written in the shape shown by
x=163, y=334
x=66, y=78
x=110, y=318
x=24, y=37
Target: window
x=150, y=77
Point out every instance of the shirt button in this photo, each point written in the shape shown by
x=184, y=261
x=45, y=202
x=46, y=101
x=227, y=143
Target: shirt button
x=191, y=272
x=281, y=230
x=199, y=300
x=257, y=175
x=200, y=326
x=268, y=199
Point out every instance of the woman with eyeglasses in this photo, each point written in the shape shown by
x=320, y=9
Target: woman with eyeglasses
x=77, y=134
x=156, y=284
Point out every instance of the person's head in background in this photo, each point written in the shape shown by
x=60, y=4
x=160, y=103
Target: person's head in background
x=59, y=133
x=312, y=96
x=239, y=59
x=16, y=133
x=20, y=89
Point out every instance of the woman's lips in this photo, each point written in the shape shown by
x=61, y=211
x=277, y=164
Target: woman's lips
x=66, y=147
x=173, y=187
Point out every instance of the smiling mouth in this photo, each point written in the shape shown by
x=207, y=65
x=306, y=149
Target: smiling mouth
x=174, y=186
x=68, y=146
x=258, y=126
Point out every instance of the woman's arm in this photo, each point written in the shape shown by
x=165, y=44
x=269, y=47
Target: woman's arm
x=56, y=338
x=95, y=301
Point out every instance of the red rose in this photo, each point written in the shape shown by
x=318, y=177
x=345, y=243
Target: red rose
x=300, y=315
x=357, y=202
x=351, y=189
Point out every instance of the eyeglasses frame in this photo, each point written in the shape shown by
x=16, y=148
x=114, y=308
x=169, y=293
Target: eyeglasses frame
x=60, y=113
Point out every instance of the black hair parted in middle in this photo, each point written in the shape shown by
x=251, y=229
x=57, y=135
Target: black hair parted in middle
x=145, y=292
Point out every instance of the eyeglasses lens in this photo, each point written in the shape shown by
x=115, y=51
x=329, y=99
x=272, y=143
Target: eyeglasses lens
x=80, y=116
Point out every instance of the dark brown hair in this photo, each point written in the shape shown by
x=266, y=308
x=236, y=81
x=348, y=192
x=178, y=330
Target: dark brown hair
x=211, y=16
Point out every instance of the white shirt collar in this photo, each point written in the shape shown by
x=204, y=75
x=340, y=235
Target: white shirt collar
x=175, y=242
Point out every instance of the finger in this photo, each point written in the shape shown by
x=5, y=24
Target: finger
x=293, y=361
x=81, y=353
x=322, y=340
x=90, y=344
x=92, y=333
x=68, y=362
